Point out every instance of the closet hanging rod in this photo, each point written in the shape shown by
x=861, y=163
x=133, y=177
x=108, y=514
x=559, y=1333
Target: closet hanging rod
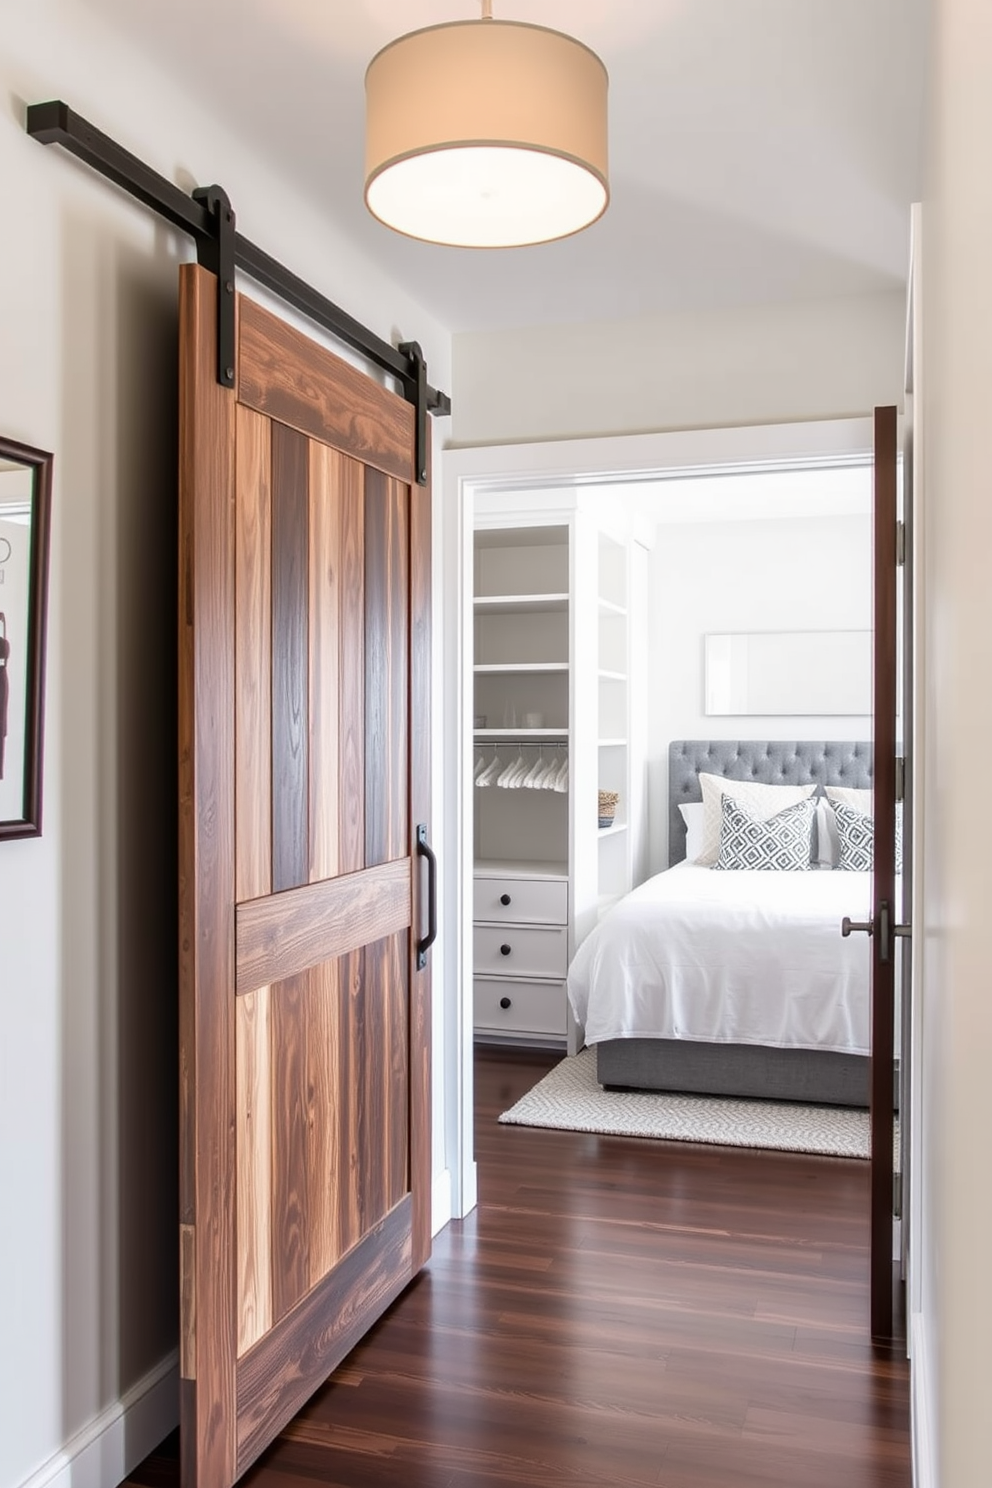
x=518, y=743
x=208, y=218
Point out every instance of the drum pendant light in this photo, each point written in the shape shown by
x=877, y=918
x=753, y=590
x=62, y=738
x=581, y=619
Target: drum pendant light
x=486, y=134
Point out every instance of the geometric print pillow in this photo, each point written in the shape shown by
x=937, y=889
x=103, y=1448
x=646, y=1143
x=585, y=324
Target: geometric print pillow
x=779, y=843
x=857, y=838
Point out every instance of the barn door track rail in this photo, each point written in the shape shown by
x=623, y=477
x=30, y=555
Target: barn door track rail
x=208, y=217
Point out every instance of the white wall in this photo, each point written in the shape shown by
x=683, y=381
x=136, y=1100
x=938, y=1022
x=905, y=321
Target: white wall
x=804, y=573
x=951, y=1357
x=751, y=365
x=88, y=1077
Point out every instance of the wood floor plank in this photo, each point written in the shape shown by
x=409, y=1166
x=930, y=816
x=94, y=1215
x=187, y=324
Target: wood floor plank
x=619, y=1313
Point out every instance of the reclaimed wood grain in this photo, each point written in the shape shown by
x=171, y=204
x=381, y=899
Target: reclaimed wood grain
x=254, y=1157
x=353, y=989
x=287, y=376
x=290, y=1211
x=311, y=1340
x=296, y=1094
x=351, y=714
x=327, y=1145
x=187, y=1302
x=286, y=933
x=290, y=660
x=206, y=872
x=387, y=643
x=253, y=656
x=328, y=472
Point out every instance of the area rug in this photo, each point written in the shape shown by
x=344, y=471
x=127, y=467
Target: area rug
x=569, y=1098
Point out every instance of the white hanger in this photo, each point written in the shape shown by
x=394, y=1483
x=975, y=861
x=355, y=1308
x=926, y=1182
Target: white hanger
x=491, y=771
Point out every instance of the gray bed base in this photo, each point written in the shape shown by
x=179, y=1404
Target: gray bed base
x=750, y=1070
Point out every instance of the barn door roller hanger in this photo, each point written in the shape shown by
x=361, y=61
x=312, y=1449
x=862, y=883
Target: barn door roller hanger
x=208, y=217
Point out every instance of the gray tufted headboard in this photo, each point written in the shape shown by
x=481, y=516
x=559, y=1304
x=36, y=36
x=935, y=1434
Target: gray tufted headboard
x=774, y=762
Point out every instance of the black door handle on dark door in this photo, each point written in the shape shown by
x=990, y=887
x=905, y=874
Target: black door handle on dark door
x=424, y=850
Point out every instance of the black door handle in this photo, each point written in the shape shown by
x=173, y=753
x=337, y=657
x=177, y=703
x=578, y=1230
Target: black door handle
x=424, y=850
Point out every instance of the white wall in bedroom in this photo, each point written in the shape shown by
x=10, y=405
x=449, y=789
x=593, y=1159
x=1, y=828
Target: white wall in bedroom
x=802, y=573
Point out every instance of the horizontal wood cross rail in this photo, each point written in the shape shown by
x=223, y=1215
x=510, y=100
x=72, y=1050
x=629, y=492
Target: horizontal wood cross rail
x=275, y=938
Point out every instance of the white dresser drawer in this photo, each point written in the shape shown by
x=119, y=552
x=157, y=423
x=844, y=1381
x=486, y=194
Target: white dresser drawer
x=542, y=901
x=521, y=950
x=531, y=1007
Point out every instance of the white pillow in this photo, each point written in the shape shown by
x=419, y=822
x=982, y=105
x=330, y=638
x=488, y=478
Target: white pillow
x=861, y=800
x=827, y=836
x=759, y=801
x=692, y=814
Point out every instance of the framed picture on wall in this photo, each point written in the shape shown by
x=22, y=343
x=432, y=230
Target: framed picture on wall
x=25, y=511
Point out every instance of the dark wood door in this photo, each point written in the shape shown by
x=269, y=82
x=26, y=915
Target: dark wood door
x=304, y=772
x=885, y=674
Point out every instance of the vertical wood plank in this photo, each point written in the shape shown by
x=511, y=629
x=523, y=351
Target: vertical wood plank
x=328, y=471
x=419, y=984
x=352, y=1050
x=387, y=587
x=351, y=791
x=373, y=1076
x=290, y=1115
x=253, y=656
x=254, y=1167
x=325, y=1177
x=290, y=659
x=396, y=1126
x=206, y=877
x=187, y=1299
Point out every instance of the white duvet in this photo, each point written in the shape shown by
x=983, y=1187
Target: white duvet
x=725, y=957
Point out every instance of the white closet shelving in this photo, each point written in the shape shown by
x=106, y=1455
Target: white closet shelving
x=521, y=708
x=552, y=678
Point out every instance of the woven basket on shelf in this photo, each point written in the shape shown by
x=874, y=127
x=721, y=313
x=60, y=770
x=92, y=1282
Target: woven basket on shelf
x=607, y=807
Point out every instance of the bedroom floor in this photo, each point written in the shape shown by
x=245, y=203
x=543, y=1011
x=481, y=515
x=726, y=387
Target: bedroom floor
x=617, y=1311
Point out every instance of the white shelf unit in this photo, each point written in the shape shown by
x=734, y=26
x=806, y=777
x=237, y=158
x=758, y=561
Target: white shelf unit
x=522, y=650
x=554, y=667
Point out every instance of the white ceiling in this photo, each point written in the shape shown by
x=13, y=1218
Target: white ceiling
x=760, y=150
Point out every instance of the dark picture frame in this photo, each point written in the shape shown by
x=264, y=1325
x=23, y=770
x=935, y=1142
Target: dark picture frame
x=23, y=627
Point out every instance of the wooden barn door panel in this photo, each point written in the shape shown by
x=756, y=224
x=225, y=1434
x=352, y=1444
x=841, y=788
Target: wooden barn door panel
x=305, y=767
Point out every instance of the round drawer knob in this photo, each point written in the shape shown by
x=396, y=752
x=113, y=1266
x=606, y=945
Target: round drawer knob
x=504, y=1002
x=504, y=950
x=504, y=898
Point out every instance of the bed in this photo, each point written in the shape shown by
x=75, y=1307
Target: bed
x=735, y=983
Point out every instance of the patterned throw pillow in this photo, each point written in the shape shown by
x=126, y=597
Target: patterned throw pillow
x=780, y=843
x=759, y=800
x=856, y=831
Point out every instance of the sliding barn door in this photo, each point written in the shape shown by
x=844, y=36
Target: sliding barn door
x=304, y=655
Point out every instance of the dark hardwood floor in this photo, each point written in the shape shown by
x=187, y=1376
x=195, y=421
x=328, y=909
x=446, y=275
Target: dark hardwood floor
x=617, y=1311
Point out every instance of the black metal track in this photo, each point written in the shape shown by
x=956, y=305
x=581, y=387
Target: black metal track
x=55, y=123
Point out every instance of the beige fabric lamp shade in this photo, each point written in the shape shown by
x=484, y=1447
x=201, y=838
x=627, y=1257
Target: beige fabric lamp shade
x=486, y=134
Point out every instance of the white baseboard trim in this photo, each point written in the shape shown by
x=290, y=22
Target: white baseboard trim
x=921, y=1407
x=441, y=1201
x=103, y=1453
